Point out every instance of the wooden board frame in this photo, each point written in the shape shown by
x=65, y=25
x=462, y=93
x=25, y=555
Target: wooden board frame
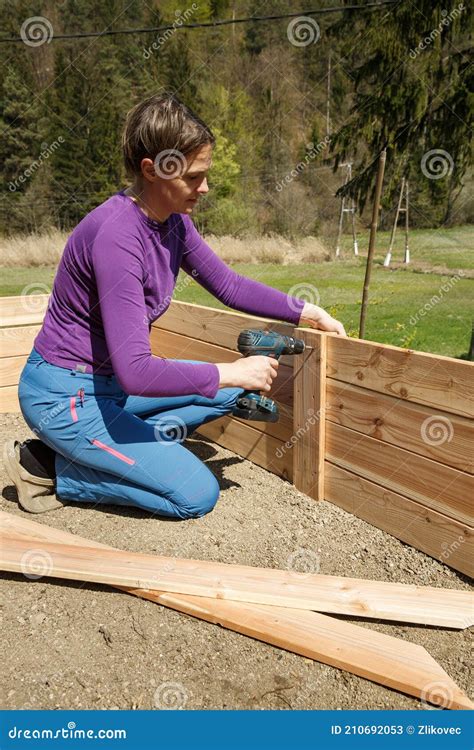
x=376, y=400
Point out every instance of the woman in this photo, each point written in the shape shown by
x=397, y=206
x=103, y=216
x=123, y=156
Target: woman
x=106, y=411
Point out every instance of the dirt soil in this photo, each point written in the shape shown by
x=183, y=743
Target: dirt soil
x=84, y=646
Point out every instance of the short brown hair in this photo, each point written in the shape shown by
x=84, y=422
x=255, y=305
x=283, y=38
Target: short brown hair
x=160, y=123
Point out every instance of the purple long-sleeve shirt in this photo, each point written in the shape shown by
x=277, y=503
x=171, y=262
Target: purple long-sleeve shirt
x=116, y=276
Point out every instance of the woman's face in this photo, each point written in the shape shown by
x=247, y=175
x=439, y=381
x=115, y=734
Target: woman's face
x=178, y=194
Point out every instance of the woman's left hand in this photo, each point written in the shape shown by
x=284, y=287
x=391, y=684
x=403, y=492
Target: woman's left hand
x=318, y=318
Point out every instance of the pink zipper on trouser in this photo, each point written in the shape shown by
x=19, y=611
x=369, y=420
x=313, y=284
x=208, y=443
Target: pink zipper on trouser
x=73, y=409
x=72, y=404
x=113, y=452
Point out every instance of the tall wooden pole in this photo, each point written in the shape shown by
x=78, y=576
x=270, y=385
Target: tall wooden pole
x=373, y=234
x=328, y=100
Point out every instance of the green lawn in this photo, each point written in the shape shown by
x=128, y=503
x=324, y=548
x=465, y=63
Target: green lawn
x=449, y=248
x=398, y=297
x=394, y=304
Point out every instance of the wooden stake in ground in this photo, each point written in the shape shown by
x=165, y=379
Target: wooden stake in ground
x=375, y=656
x=373, y=235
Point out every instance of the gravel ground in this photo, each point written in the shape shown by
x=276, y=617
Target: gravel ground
x=85, y=646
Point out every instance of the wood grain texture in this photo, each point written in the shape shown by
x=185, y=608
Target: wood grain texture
x=429, y=379
x=443, y=437
x=372, y=655
x=240, y=437
x=436, y=534
x=309, y=409
x=9, y=399
x=17, y=341
x=432, y=484
x=10, y=370
x=23, y=310
x=335, y=594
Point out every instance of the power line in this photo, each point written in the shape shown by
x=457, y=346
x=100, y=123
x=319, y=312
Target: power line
x=211, y=24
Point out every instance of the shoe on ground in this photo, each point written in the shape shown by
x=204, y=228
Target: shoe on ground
x=35, y=494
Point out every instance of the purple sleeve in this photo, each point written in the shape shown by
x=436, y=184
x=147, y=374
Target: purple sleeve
x=232, y=289
x=118, y=267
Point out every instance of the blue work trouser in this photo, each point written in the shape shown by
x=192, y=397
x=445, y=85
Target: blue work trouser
x=119, y=449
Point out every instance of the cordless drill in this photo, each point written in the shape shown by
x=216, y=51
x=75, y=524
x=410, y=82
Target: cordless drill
x=251, y=404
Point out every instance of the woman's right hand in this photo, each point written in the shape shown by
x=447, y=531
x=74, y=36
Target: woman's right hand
x=254, y=373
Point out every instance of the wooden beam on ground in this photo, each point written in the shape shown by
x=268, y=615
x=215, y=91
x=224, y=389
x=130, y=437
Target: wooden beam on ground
x=372, y=655
x=309, y=414
x=336, y=594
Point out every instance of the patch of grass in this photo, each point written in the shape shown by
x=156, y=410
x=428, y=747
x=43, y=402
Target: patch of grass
x=14, y=281
x=403, y=309
x=448, y=248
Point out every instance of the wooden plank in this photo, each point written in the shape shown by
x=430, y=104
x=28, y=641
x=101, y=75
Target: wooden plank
x=9, y=400
x=369, y=654
x=25, y=309
x=436, y=534
x=434, y=485
x=281, y=430
x=429, y=379
x=175, y=346
x=336, y=594
x=10, y=370
x=309, y=415
x=220, y=327
x=240, y=437
x=372, y=655
x=17, y=341
x=443, y=437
